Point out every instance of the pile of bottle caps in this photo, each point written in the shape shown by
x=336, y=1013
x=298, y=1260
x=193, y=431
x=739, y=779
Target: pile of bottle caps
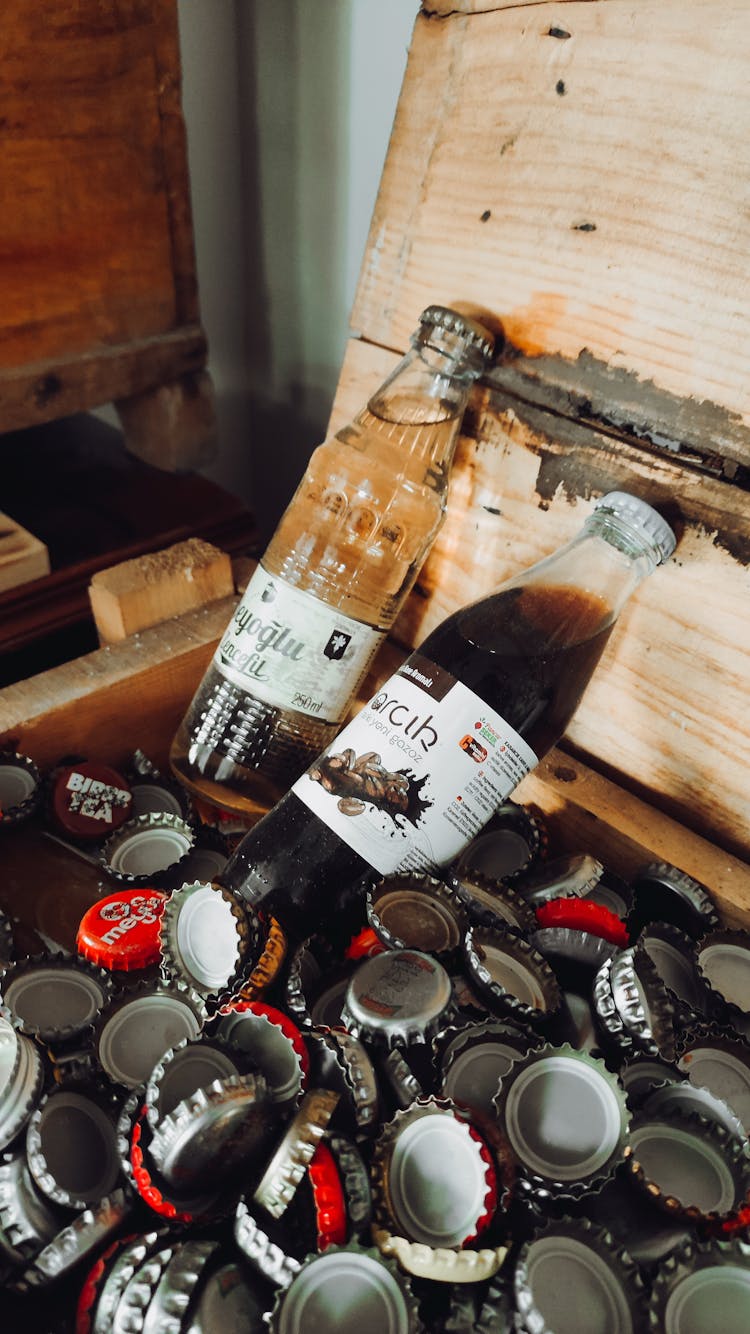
x=514, y=1097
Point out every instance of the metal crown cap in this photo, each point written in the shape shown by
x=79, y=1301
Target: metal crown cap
x=641, y=517
x=604, y=1275
x=446, y=319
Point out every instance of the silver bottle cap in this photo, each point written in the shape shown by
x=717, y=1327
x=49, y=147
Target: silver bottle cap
x=512, y=841
x=206, y=936
x=571, y=876
x=265, y=1255
x=411, y=911
x=226, y=1303
x=723, y=960
x=53, y=997
x=27, y=1220
x=215, y=1132
x=172, y=1296
x=147, y=848
x=702, y=1286
x=719, y=1061
x=342, y=1063
x=265, y=1037
x=127, y=1257
x=401, y=996
x=71, y=1148
x=566, y=1117
x=23, y=1088
x=692, y=1166
x=434, y=1177
x=673, y=954
x=191, y=1065
x=515, y=977
x=20, y=788
x=474, y=1060
x=571, y=1275
x=87, y=1233
x=350, y=1289
x=134, y=1032
x=290, y=1160
x=642, y=517
x=443, y=318
x=132, y=1308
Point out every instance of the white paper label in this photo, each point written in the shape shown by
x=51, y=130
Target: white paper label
x=418, y=773
x=292, y=651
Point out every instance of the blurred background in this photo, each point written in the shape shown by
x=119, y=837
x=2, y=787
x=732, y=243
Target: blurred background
x=289, y=107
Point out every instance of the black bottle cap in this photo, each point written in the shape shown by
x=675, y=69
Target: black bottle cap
x=54, y=997
x=20, y=788
x=491, y=903
x=663, y=893
x=569, y=876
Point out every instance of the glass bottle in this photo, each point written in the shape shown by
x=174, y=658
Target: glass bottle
x=420, y=769
x=333, y=578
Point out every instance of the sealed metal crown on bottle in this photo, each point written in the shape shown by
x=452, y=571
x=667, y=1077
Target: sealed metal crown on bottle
x=333, y=578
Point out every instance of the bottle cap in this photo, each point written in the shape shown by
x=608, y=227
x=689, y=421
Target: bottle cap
x=643, y=1002
x=401, y=996
x=364, y=945
x=354, y=1175
x=491, y=903
x=641, y=517
x=88, y=1231
x=560, y=878
x=612, y=892
x=121, y=931
x=476, y=1058
x=27, y=1220
x=512, y=841
x=23, y=1085
x=411, y=911
x=566, y=1118
x=108, y=1279
x=684, y=1096
x=206, y=936
x=639, y=1074
x=600, y=1281
x=161, y=1197
x=134, y=1304
x=515, y=978
x=54, y=997
x=268, y=966
x=328, y=1198
x=174, y=1291
x=583, y=916
x=720, y=1061
x=212, y=1134
x=316, y=983
x=265, y=1255
x=434, y=1177
x=191, y=1064
x=341, y=1063
x=665, y=894
x=90, y=799
x=673, y=954
x=148, y=849
x=154, y=795
x=267, y=1038
x=400, y=1078
x=227, y=1302
x=573, y=955
x=349, y=1289
x=440, y=1264
x=645, y=1231
x=691, y=1166
x=471, y=332
x=71, y=1148
x=208, y=858
x=135, y=1030
x=290, y=1161
x=701, y=1283
x=723, y=961
x=20, y=788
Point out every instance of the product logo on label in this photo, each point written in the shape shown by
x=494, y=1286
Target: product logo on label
x=401, y=716
x=266, y=638
x=94, y=799
x=337, y=645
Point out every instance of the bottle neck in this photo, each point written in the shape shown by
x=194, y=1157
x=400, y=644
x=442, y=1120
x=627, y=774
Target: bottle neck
x=430, y=384
x=608, y=558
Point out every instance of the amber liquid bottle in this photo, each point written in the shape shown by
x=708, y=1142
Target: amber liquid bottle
x=336, y=573
x=421, y=768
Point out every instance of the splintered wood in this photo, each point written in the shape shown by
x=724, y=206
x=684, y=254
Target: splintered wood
x=22, y=556
x=140, y=593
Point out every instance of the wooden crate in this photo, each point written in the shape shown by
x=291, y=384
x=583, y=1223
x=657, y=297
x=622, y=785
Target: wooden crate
x=573, y=171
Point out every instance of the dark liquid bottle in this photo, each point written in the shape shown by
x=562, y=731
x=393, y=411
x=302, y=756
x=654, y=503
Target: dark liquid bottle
x=412, y=779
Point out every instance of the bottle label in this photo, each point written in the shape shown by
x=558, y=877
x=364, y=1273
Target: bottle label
x=292, y=651
x=417, y=773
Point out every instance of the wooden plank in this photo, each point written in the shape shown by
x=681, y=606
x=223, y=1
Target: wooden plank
x=585, y=190
x=22, y=556
x=136, y=594
x=666, y=714
x=96, y=244
x=44, y=391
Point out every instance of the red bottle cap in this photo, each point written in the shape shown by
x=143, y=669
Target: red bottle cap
x=89, y=800
x=583, y=915
x=122, y=931
x=328, y=1197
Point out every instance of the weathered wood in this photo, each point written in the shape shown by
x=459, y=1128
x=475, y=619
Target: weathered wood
x=97, y=266
x=142, y=592
x=22, y=556
x=666, y=712
x=574, y=170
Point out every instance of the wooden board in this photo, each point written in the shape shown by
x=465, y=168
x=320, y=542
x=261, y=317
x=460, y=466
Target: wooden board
x=22, y=556
x=579, y=170
x=97, y=267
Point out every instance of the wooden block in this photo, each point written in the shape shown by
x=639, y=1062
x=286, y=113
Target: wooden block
x=22, y=556
x=140, y=593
